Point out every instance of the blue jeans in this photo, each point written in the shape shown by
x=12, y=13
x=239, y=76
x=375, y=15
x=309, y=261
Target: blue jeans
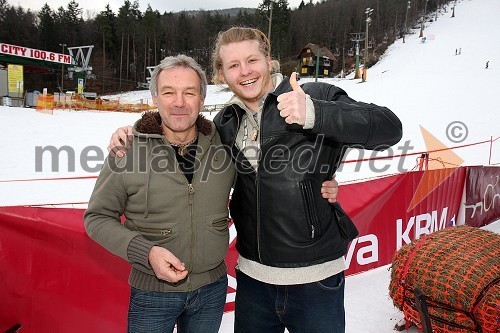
x=313, y=307
x=197, y=311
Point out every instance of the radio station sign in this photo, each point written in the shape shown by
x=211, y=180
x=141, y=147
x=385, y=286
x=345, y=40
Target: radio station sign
x=26, y=52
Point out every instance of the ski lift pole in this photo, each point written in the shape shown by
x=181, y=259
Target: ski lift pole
x=356, y=74
x=317, y=64
x=368, y=13
x=357, y=37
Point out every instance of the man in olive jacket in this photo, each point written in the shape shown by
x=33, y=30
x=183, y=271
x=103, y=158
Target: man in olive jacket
x=173, y=237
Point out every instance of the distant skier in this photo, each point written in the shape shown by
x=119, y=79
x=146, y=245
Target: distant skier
x=487, y=64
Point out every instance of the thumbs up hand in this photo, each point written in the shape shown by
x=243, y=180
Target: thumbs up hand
x=292, y=105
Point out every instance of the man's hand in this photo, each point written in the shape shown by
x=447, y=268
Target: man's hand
x=166, y=266
x=292, y=105
x=330, y=189
x=120, y=141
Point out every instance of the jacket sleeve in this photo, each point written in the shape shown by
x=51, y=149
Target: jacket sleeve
x=102, y=218
x=353, y=123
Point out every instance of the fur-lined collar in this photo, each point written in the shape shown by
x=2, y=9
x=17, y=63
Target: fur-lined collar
x=150, y=123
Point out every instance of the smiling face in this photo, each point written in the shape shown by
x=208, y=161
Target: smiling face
x=179, y=102
x=246, y=71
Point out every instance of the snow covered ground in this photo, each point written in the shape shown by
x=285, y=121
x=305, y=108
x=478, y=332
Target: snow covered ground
x=425, y=84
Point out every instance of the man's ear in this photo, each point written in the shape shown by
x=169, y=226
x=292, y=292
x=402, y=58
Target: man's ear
x=155, y=101
x=221, y=75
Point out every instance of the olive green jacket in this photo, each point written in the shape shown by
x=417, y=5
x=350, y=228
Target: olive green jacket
x=144, y=200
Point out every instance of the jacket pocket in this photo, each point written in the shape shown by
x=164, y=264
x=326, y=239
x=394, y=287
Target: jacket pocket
x=347, y=228
x=159, y=236
x=221, y=225
x=310, y=208
x=216, y=241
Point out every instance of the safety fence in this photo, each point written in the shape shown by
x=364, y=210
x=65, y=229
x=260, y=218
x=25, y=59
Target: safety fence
x=76, y=102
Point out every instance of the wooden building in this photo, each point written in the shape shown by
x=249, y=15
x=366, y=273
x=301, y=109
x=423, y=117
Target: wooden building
x=307, y=61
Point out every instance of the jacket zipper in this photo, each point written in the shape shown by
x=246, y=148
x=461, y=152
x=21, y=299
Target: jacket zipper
x=191, y=214
x=257, y=179
x=309, y=207
x=191, y=192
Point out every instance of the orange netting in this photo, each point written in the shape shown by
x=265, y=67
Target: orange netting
x=47, y=103
x=458, y=270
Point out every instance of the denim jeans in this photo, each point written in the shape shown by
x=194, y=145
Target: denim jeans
x=313, y=307
x=197, y=311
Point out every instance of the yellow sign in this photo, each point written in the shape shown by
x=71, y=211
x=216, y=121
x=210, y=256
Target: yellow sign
x=15, y=74
x=80, y=86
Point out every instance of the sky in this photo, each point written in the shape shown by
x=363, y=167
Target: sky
x=426, y=84
x=160, y=5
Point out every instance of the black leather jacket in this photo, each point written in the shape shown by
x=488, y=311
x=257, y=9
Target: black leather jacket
x=280, y=216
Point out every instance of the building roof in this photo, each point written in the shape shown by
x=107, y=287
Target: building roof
x=325, y=52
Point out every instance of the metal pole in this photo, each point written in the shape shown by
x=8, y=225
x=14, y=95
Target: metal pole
x=368, y=12
x=317, y=64
x=357, y=37
x=491, y=149
x=270, y=22
x=62, y=68
x=343, y=62
x=365, y=56
x=356, y=74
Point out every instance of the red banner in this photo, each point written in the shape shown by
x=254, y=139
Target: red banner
x=482, y=191
x=381, y=210
x=56, y=279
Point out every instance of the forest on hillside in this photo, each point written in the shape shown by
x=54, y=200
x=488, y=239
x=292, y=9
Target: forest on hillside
x=127, y=42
